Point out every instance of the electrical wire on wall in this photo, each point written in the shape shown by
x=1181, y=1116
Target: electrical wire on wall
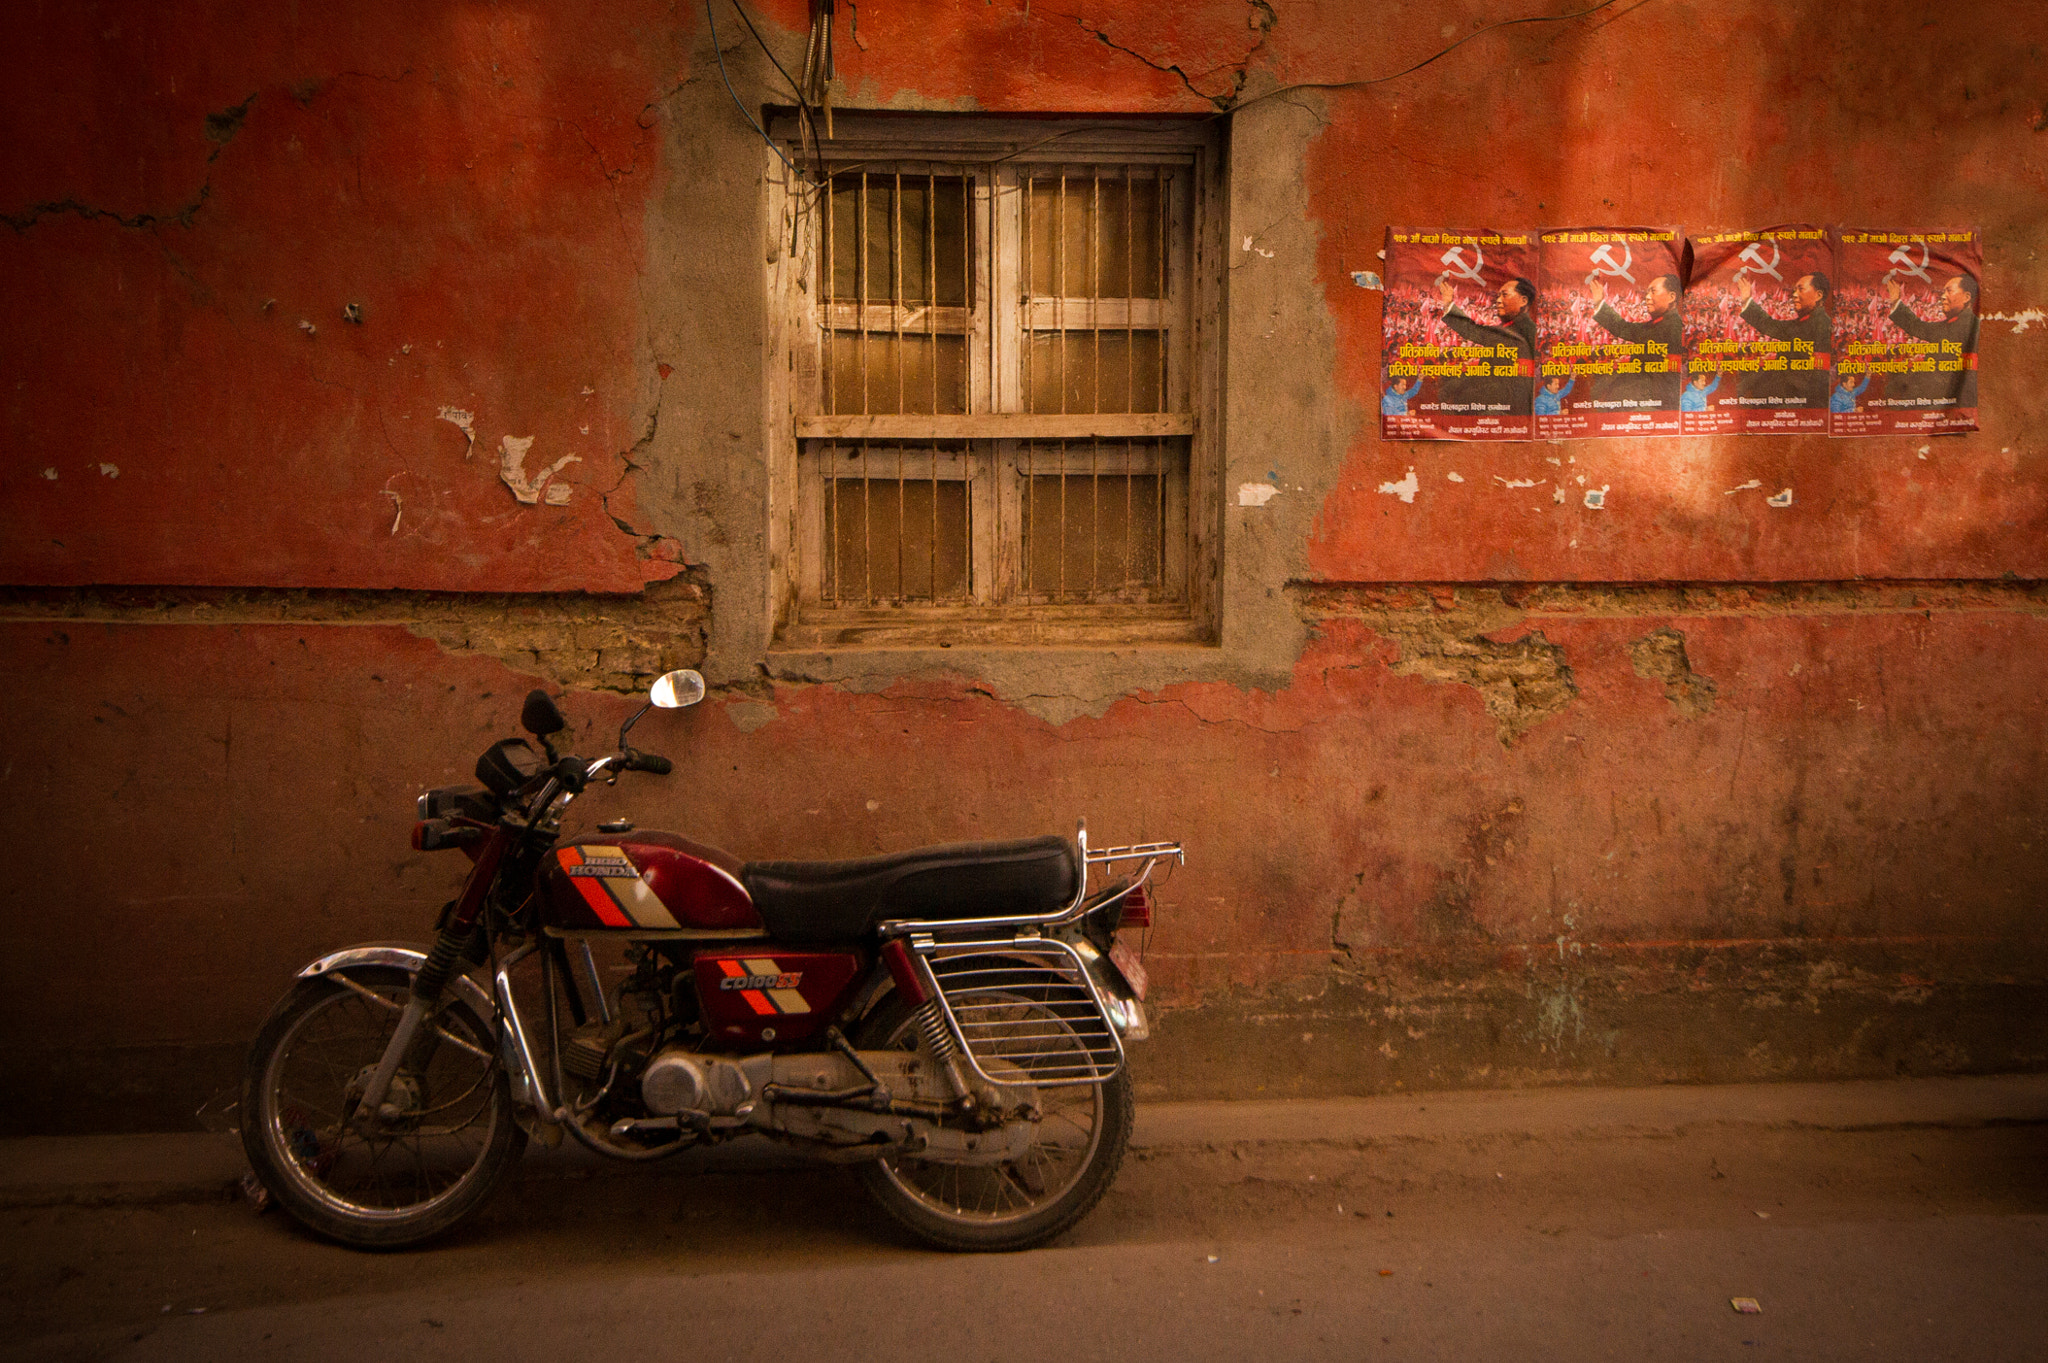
x=806, y=107
x=814, y=97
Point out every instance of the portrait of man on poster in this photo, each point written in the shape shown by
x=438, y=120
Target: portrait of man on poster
x=1657, y=387
x=1516, y=302
x=1810, y=323
x=1957, y=324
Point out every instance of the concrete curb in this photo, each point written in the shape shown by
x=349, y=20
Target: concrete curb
x=155, y=1169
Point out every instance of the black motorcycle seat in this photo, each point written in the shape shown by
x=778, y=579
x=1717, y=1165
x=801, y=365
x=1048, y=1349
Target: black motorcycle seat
x=838, y=901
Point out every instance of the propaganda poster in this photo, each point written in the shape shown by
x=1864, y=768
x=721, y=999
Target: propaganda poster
x=1458, y=352
x=1759, y=332
x=1610, y=332
x=1905, y=332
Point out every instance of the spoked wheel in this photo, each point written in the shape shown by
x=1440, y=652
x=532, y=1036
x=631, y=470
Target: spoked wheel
x=1074, y=1151
x=447, y=1139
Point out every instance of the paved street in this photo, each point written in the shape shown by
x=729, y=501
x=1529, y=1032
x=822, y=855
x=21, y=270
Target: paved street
x=1874, y=1221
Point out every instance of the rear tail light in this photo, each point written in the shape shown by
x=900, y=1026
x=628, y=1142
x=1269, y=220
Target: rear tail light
x=1137, y=909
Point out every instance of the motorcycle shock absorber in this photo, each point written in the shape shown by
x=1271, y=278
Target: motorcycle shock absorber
x=938, y=1039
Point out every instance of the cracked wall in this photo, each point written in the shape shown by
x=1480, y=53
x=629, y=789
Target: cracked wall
x=1480, y=786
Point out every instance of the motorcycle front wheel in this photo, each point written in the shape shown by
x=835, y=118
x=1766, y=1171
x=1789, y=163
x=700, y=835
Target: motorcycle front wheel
x=1075, y=1151
x=450, y=1141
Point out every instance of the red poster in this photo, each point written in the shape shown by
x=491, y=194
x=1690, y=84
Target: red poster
x=1905, y=332
x=1759, y=332
x=1611, y=335
x=1458, y=352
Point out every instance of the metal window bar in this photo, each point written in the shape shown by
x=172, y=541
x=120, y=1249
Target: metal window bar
x=1081, y=235
x=886, y=306
x=1094, y=554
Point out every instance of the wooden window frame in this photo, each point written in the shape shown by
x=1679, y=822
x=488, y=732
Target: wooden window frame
x=1000, y=436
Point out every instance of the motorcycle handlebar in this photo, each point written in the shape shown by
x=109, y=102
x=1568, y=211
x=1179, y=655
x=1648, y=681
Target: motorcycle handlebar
x=647, y=762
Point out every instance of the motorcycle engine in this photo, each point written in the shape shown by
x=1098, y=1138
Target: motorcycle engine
x=679, y=1079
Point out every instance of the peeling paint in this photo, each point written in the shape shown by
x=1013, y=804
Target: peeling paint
x=110, y=470
x=1366, y=279
x=1451, y=635
x=1749, y=486
x=749, y=715
x=1660, y=656
x=51, y=474
x=1455, y=477
x=1596, y=497
x=512, y=470
x=1405, y=489
x=572, y=639
x=1517, y=482
x=1256, y=494
x=2020, y=320
x=1780, y=498
x=462, y=421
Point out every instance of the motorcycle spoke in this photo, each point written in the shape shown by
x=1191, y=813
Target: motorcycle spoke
x=1020, y=1033
x=447, y=1109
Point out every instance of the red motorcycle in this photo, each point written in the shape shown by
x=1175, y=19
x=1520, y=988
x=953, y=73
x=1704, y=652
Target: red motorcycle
x=951, y=1020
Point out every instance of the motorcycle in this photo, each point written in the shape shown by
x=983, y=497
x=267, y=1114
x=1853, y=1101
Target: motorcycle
x=950, y=1020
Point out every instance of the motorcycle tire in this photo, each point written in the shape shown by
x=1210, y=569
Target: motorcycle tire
x=1020, y=1205
x=424, y=1171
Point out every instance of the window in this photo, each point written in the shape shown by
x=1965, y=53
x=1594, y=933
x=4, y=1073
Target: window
x=1002, y=341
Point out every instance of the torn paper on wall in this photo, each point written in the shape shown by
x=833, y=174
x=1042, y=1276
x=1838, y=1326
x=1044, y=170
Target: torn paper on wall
x=464, y=422
x=512, y=470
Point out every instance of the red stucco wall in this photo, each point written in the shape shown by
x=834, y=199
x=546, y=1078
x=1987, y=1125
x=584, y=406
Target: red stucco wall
x=1821, y=859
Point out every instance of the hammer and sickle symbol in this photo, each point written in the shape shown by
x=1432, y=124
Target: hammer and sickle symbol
x=1754, y=256
x=1453, y=262
x=1903, y=258
x=1603, y=262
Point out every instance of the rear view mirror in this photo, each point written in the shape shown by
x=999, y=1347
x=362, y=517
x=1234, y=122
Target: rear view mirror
x=676, y=689
x=539, y=716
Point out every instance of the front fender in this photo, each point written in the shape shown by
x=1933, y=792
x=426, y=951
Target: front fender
x=403, y=956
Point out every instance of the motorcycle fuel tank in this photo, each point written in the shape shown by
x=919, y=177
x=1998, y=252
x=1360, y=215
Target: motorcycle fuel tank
x=644, y=882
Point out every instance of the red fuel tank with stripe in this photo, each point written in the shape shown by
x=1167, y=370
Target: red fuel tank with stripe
x=643, y=883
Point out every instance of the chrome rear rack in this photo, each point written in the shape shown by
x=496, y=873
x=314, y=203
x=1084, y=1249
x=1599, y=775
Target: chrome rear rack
x=1151, y=853
x=1024, y=1010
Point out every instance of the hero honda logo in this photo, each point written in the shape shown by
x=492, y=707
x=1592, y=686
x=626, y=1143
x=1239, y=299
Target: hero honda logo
x=787, y=980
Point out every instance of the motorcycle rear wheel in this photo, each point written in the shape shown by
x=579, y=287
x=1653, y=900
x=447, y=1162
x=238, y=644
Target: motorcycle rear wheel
x=1072, y=1160
x=422, y=1173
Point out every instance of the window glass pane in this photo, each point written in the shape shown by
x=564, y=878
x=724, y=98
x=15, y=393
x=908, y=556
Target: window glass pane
x=897, y=237
x=884, y=373
x=1093, y=537
x=895, y=539
x=1096, y=371
x=1094, y=233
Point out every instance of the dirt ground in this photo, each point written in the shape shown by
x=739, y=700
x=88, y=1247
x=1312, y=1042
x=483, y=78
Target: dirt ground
x=1899, y=1242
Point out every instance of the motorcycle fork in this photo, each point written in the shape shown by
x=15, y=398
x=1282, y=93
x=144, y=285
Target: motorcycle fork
x=423, y=1000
